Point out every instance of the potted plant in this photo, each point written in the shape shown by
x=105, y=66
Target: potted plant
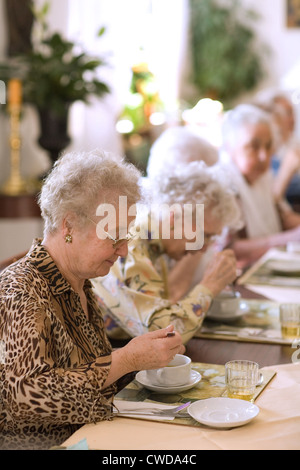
x=55, y=74
x=226, y=60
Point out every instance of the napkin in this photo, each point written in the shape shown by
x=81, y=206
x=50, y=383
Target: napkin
x=123, y=405
x=81, y=445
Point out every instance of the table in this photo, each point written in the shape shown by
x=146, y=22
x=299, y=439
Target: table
x=281, y=289
x=277, y=427
x=216, y=351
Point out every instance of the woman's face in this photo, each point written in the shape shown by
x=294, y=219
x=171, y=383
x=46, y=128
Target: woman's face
x=253, y=150
x=285, y=117
x=94, y=256
x=177, y=248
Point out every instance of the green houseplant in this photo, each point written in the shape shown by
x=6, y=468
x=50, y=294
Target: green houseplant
x=226, y=60
x=57, y=77
x=55, y=74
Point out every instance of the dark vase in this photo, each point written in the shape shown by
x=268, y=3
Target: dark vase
x=54, y=131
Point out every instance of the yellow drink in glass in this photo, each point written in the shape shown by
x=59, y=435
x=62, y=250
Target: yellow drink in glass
x=241, y=379
x=290, y=321
x=290, y=331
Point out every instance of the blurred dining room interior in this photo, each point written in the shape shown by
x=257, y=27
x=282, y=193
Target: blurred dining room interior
x=78, y=75
x=145, y=45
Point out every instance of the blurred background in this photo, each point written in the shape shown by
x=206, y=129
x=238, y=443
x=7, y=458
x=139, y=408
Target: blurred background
x=149, y=65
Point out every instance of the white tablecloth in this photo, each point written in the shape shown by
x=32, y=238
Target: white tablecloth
x=277, y=427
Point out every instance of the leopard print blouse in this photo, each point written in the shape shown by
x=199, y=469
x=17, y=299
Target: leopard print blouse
x=53, y=360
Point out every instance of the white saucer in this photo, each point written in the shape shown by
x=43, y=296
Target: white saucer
x=223, y=412
x=141, y=377
x=229, y=316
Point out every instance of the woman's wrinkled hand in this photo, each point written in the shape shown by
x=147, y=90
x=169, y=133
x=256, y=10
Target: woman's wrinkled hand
x=220, y=271
x=149, y=351
x=153, y=350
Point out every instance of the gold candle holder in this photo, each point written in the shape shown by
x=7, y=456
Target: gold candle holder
x=15, y=185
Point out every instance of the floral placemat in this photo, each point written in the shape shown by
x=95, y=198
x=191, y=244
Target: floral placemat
x=212, y=384
x=260, y=323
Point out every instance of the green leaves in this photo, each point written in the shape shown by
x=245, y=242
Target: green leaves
x=56, y=73
x=101, y=31
x=226, y=60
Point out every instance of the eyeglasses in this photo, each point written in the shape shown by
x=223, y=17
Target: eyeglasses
x=117, y=242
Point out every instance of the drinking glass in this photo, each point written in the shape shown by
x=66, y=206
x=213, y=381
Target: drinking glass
x=290, y=321
x=241, y=379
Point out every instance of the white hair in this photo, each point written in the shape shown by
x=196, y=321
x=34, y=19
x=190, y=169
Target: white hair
x=196, y=183
x=77, y=182
x=176, y=146
x=267, y=98
x=242, y=116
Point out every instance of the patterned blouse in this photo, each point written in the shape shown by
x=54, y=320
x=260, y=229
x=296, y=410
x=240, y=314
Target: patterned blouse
x=135, y=294
x=53, y=360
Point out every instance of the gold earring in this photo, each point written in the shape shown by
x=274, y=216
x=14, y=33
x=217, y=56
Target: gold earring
x=68, y=239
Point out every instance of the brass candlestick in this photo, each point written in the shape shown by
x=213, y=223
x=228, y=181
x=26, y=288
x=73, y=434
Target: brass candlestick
x=15, y=185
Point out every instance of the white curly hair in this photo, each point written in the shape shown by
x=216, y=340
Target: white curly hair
x=242, y=116
x=177, y=146
x=79, y=179
x=196, y=183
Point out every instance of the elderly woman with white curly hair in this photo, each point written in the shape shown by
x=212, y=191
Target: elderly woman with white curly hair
x=136, y=292
x=59, y=371
x=248, y=144
x=179, y=145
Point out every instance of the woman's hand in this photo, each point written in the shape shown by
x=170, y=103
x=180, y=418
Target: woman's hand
x=153, y=350
x=149, y=351
x=220, y=271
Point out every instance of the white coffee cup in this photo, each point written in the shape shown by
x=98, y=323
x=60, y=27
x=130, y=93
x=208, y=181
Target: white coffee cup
x=176, y=373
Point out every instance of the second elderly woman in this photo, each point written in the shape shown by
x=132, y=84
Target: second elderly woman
x=137, y=293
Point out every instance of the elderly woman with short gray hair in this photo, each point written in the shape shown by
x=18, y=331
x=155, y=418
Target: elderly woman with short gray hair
x=59, y=371
x=248, y=143
x=136, y=293
x=179, y=145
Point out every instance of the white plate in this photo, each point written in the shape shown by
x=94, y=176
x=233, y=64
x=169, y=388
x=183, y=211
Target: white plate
x=229, y=316
x=141, y=377
x=285, y=267
x=223, y=412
